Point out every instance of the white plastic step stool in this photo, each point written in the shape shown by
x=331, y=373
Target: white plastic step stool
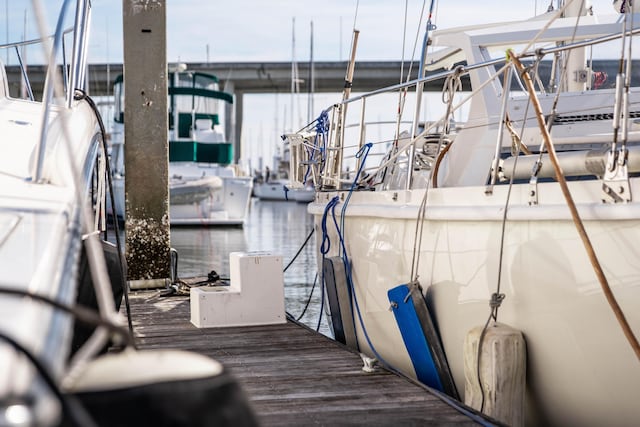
x=255, y=295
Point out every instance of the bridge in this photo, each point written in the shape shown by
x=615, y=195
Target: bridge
x=274, y=77
x=247, y=77
x=242, y=78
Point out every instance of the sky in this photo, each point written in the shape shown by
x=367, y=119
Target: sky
x=261, y=30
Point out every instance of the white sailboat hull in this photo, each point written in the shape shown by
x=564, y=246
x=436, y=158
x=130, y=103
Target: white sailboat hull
x=580, y=368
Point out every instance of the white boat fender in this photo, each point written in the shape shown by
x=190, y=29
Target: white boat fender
x=502, y=370
x=421, y=337
x=161, y=388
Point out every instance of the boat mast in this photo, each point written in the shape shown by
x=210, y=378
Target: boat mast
x=311, y=78
x=295, y=80
x=293, y=66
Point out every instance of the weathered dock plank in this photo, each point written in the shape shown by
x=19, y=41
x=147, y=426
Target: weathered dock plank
x=291, y=374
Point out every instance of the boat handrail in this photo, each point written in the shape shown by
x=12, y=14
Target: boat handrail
x=32, y=41
x=77, y=79
x=23, y=69
x=465, y=69
x=457, y=71
x=78, y=64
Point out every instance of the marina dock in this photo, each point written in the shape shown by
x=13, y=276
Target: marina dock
x=293, y=375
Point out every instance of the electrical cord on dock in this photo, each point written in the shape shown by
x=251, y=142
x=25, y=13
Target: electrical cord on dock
x=179, y=287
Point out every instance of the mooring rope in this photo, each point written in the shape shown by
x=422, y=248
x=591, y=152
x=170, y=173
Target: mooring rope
x=606, y=289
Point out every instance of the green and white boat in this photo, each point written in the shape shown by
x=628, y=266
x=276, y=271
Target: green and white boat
x=206, y=187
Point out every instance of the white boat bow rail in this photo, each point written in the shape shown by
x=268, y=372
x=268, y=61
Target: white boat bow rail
x=314, y=151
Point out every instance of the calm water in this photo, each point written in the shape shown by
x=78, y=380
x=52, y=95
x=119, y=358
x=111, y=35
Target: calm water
x=275, y=226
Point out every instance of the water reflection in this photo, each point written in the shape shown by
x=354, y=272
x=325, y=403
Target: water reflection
x=274, y=226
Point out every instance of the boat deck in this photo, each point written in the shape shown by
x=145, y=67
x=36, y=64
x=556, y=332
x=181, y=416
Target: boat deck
x=292, y=374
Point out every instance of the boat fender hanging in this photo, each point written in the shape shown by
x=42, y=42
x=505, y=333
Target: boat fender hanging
x=339, y=298
x=421, y=337
x=502, y=369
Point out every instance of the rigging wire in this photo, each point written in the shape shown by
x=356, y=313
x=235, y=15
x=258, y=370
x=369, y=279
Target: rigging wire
x=565, y=66
x=452, y=85
x=497, y=297
x=402, y=93
x=402, y=96
x=621, y=109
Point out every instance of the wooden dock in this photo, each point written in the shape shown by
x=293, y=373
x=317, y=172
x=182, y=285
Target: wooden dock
x=292, y=375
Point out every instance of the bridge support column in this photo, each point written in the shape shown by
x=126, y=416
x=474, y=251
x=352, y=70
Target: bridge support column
x=239, y=103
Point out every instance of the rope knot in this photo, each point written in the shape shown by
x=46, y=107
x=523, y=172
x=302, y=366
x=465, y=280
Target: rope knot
x=453, y=84
x=496, y=300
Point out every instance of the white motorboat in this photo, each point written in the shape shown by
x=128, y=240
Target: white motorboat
x=51, y=162
x=274, y=189
x=303, y=194
x=201, y=159
x=62, y=283
x=470, y=220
